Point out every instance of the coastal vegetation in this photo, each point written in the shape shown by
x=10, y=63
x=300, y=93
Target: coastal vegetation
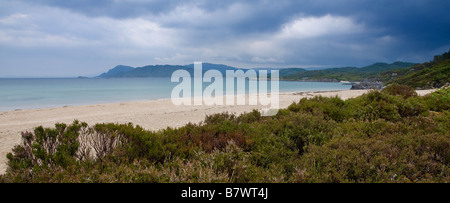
x=343, y=74
x=391, y=135
x=433, y=74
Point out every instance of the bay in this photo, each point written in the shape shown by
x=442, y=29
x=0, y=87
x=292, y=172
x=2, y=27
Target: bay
x=34, y=93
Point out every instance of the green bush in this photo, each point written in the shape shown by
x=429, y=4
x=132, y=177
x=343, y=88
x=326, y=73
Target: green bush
x=321, y=106
x=401, y=90
x=388, y=158
x=380, y=105
x=438, y=100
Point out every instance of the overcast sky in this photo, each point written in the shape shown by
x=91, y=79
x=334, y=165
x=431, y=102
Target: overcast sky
x=56, y=38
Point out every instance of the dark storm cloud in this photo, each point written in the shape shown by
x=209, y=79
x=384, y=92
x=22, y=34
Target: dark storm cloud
x=248, y=33
x=424, y=21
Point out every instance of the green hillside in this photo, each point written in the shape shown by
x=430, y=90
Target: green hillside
x=159, y=70
x=432, y=74
x=345, y=73
x=285, y=73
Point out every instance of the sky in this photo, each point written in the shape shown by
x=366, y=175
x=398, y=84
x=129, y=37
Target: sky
x=54, y=38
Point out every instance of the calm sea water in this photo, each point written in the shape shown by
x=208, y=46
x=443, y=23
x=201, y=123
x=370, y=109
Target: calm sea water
x=43, y=93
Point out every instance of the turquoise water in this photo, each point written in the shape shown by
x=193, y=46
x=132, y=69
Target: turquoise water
x=43, y=93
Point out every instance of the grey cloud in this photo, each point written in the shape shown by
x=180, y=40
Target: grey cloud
x=137, y=32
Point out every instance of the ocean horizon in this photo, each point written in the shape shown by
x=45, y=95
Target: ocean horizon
x=37, y=93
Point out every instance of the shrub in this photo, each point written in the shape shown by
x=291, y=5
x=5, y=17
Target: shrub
x=330, y=108
x=379, y=105
x=373, y=106
x=401, y=90
x=47, y=147
x=218, y=118
x=438, y=100
x=391, y=158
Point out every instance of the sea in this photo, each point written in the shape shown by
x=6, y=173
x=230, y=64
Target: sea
x=36, y=93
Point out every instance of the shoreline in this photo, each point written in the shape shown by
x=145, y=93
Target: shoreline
x=150, y=114
x=84, y=101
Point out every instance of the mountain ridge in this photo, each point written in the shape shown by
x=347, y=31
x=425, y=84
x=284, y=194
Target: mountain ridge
x=160, y=70
x=330, y=74
x=343, y=73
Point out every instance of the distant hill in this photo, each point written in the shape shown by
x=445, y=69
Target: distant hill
x=286, y=73
x=433, y=74
x=211, y=66
x=116, y=71
x=342, y=74
x=160, y=70
x=328, y=75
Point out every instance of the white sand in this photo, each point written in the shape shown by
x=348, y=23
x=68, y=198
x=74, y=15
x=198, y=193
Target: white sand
x=151, y=115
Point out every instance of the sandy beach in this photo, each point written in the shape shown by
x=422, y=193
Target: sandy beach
x=151, y=115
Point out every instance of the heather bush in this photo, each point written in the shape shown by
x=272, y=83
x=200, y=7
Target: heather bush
x=379, y=105
x=389, y=158
x=438, y=100
x=401, y=90
x=330, y=108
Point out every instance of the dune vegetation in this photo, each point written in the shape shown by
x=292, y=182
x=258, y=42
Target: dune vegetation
x=391, y=135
